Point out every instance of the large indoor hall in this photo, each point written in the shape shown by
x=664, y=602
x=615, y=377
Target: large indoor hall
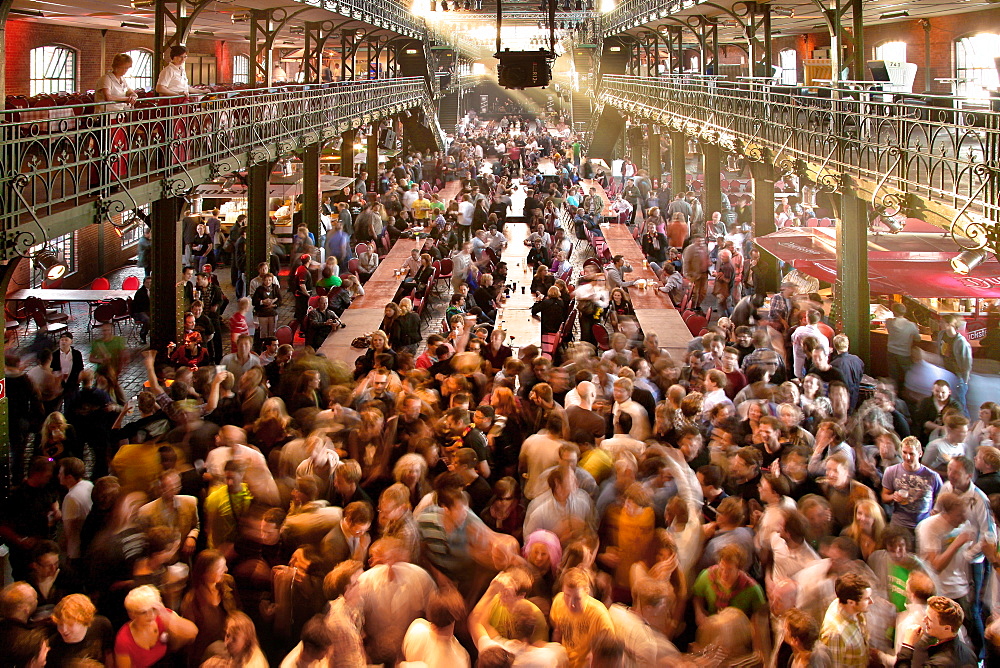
x=447, y=334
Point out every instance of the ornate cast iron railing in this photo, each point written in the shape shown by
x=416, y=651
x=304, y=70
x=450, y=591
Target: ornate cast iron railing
x=56, y=158
x=629, y=14
x=923, y=145
x=388, y=14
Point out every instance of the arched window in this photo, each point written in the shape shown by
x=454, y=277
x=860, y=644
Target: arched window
x=894, y=52
x=788, y=66
x=974, y=66
x=241, y=69
x=52, y=70
x=141, y=74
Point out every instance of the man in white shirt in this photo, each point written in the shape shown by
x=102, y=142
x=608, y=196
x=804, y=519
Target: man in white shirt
x=942, y=450
x=539, y=452
x=394, y=594
x=563, y=509
x=624, y=403
x=943, y=541
x=173, y=80
x=799, y=335
x=77, y=504
x=715, y=392
x=432, y=641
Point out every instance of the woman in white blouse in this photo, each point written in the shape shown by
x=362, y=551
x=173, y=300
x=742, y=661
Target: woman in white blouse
x=112, y=87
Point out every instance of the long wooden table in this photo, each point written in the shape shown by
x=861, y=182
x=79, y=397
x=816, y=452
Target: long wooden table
x=366, y=313
x=514, y=317
x=653, y=309
x=61, y=295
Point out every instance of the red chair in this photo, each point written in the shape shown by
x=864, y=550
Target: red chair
x=284, y=335
x=444, y=270
x=103, y=314
x=131, y=283
x=695, y=323
x=352, y=266
x=601, y=336
x=123, y=315
x=101, y=283
x=825, y=222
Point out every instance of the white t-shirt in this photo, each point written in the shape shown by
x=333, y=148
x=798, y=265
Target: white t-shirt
x=76, y=506
x=551, y=655
x=465, y=210
x=118, y=88
x=934, y=534
x=173, y=79
x=421, y=644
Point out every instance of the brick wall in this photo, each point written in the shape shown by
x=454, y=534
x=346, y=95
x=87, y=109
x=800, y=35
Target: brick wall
x=23, y=36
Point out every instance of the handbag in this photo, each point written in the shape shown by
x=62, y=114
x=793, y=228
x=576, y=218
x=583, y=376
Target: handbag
x=362, y=342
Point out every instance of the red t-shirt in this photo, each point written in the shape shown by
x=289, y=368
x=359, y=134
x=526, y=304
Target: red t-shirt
x=141, y=657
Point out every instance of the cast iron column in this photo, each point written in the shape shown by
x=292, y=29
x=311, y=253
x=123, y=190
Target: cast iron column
x=636, y=144
x=711, y=168
x=852, y=290
x=372, y=166
x=347, y=152
x=166, y=299
x=678, y=162
x=655, y=166
x=259, y=222
x=763, y=223
x=310, y=188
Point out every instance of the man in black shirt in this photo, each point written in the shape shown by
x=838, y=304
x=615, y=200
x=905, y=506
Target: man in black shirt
x=140, y=308
x=744, y=474
x=988, y=465
x=851, y=367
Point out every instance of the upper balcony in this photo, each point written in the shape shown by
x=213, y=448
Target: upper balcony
x=57, y=159
x=939, y=158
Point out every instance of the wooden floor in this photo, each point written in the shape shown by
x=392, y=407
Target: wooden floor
x=653, y=309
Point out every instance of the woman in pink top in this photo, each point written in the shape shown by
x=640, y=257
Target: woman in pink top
x=153, y=631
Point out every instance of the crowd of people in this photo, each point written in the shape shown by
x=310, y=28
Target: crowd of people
x=452, y=501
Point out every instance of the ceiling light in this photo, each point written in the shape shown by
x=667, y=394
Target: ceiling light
x=132, y=24
x=241, y=17
x=52, y=265
x=894, y=223
x=968, y=260
x=894, y=15
x=205, y=33
x=26, y=12
x=142, y=4
x=297, y=29
x=782, y=11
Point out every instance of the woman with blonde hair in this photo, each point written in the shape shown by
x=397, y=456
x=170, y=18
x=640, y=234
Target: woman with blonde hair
x=273, y=427
x=152, y=632
x=58, y=438
x=241, y=642
x=406, y=328
x=379, y=346
x=411, y=471
x=867, y=527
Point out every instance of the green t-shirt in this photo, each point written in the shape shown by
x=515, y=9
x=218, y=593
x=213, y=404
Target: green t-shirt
x=749, y=600
x=112, y=351
x=898, y=576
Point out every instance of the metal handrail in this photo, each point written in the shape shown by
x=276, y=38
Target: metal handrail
x=65, y=156
x=629, y=14
x=931, y=146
